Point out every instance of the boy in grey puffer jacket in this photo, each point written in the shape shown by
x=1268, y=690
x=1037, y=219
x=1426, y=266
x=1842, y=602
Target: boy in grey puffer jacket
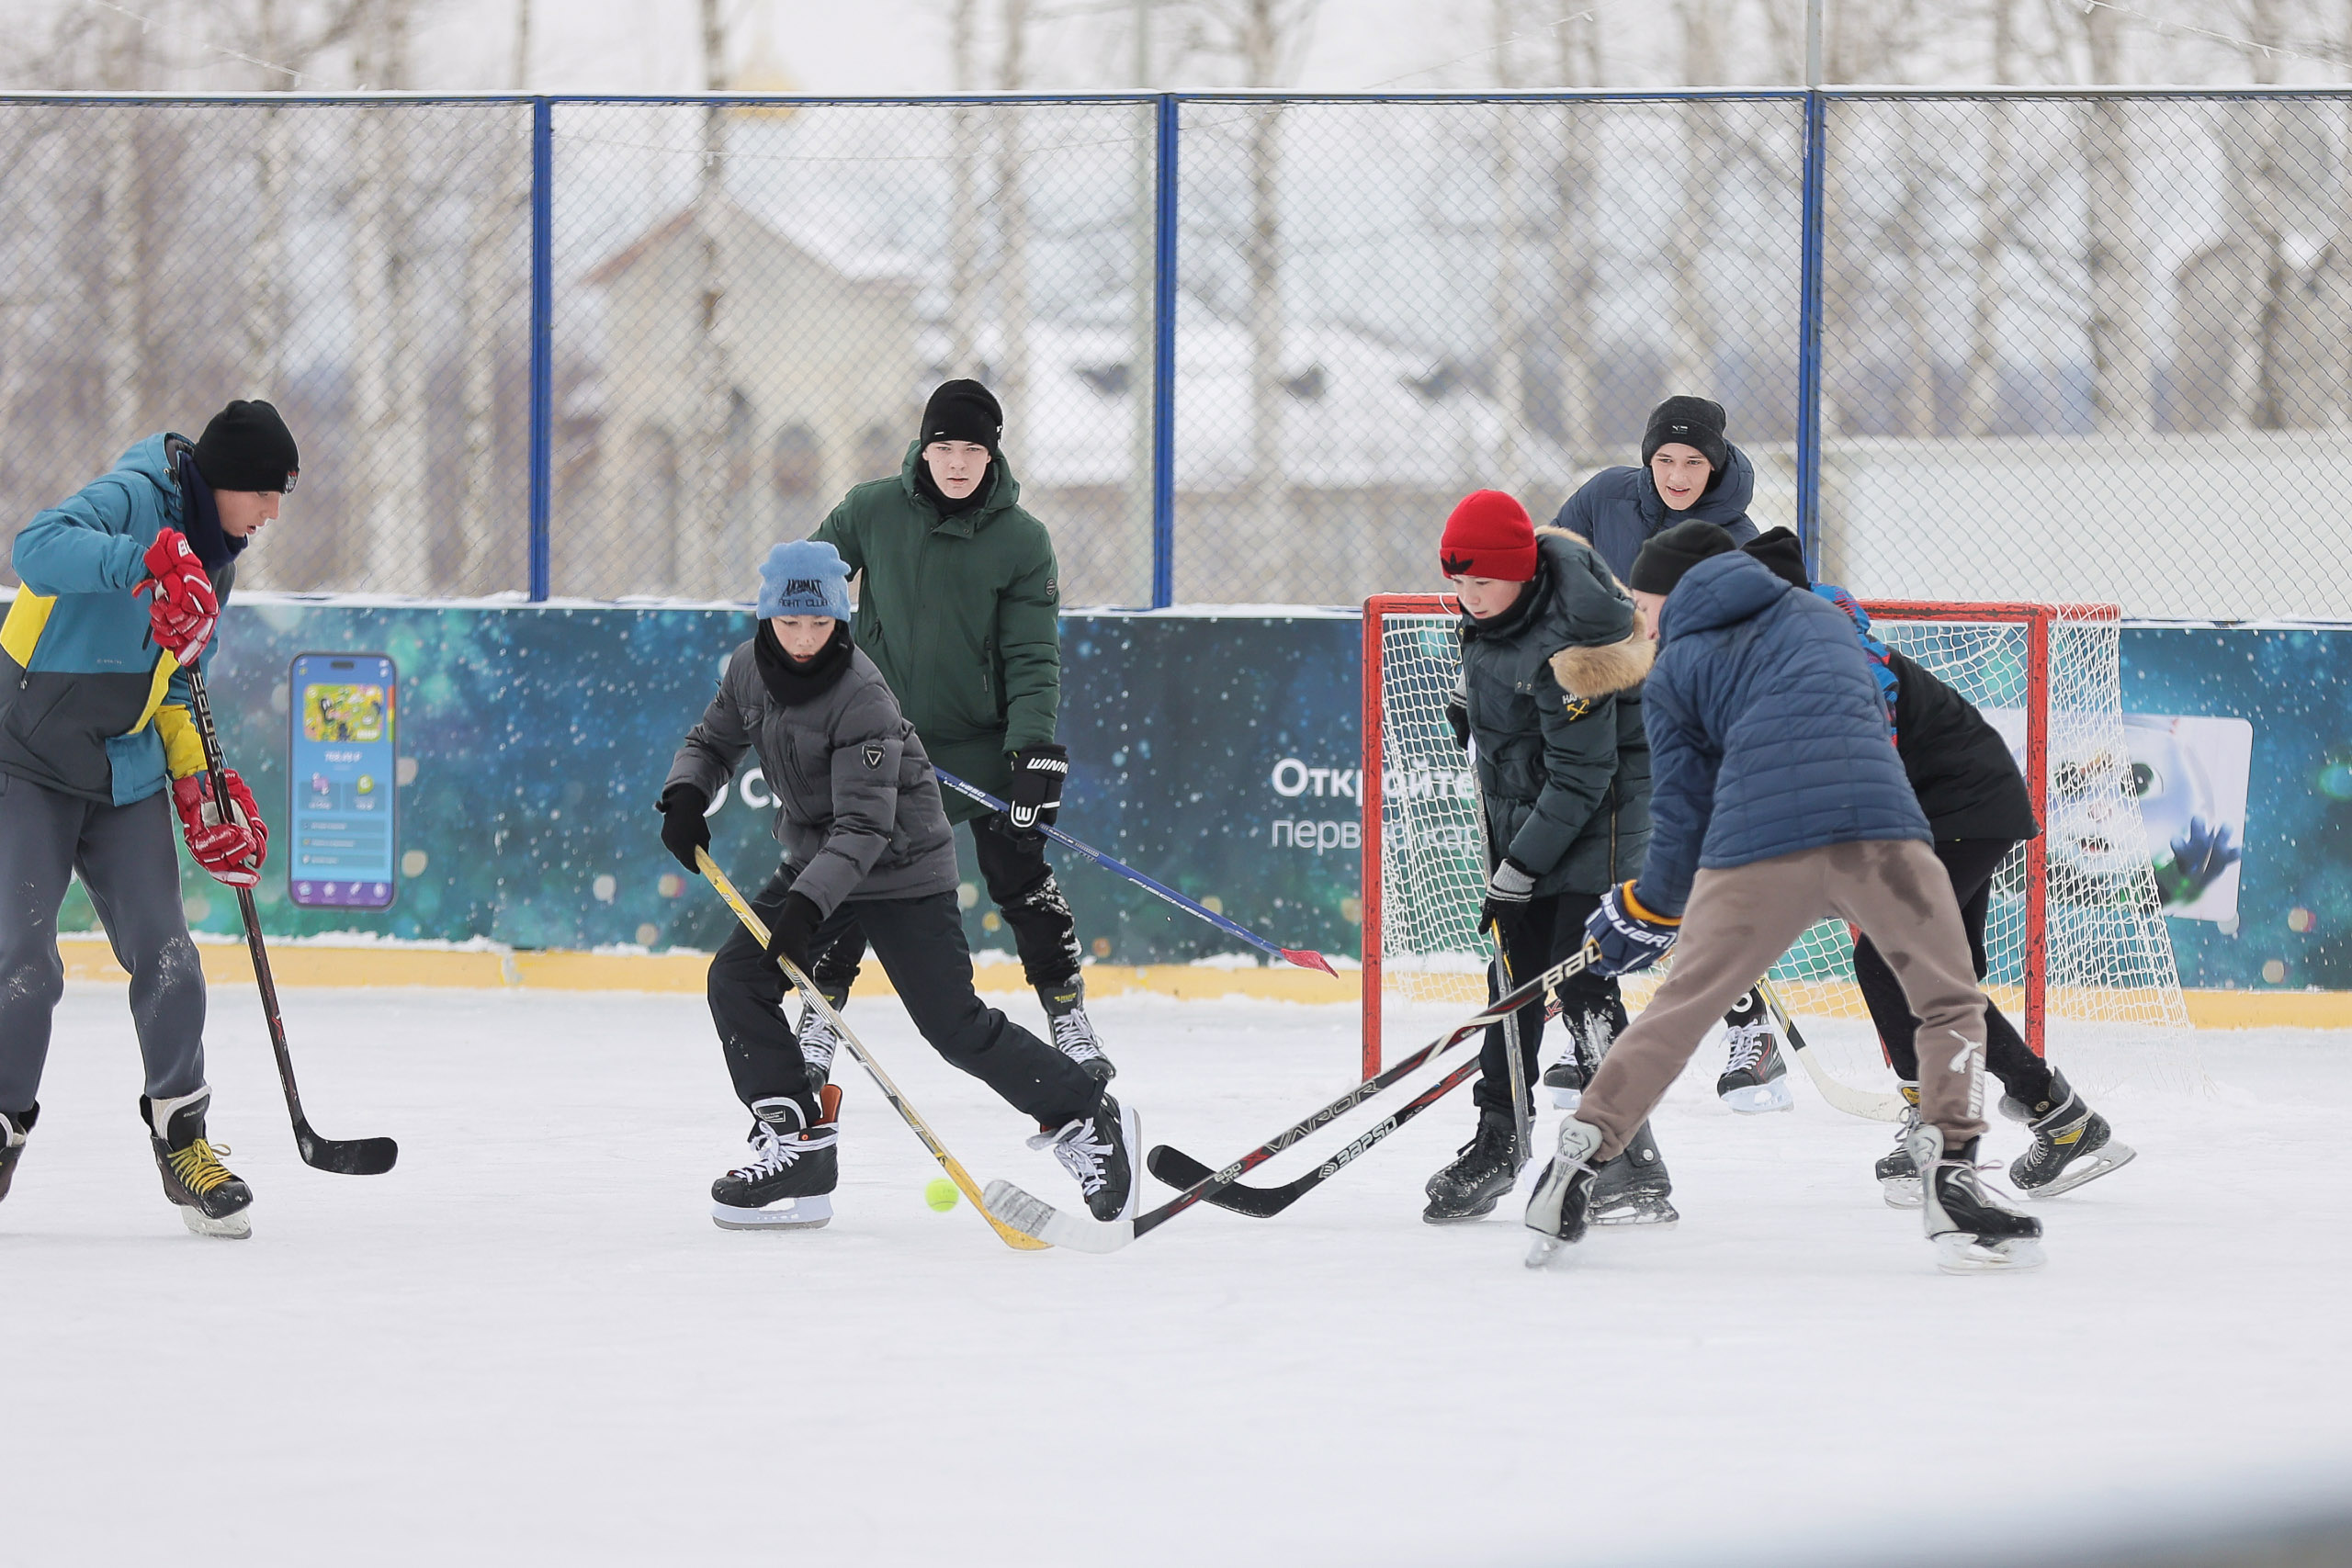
x=865, y=844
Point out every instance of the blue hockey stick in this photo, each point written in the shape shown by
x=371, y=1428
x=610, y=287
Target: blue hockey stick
x=1304, y=957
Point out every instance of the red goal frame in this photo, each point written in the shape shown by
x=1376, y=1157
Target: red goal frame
x=2037, y=620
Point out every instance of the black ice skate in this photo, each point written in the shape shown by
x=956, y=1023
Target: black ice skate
x=1755, y=1076
x=1099, y=1151
x=1073, y=1032
x=1482, y=1171
x=1588, y=1041
x=818, y=1037
x=212, y=1200
x=14, y=1127
x=2072, y=1144
x=1633, y=1189
x=1974, y=1232
x=1898, y=1178
x=1558, y=1210
x=787, y=1183
x=1565, y=1081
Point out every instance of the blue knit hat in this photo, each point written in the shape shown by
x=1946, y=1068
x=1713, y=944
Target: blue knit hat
x=805, y=577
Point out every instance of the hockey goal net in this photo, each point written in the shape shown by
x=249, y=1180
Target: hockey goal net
x=2075, y=931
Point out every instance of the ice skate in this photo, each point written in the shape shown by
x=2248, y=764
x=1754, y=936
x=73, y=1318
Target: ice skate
x=211, y=1199
x=1482, y=1171
x=1098, y=1150
x=1073, y=1032
x=2072, y=1142
x=1898, y=1178
x=1565, y=1082
x=818, y=1037
x=1974, y=1231
x=1633, y=1189
x=787, y=1183
x=1556, y=1212
x=1755, y=1076
x=14, y=1127
x=1588, y=1041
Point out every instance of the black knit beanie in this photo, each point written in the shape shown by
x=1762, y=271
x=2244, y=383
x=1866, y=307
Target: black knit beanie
x=1693, y=422
x=1665, y=558
x=963, y=410
x=1783, y=552
x=247, y=446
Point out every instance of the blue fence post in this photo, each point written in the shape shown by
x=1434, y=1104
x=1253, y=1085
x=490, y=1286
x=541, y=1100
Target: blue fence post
x=542, y=338
x=1816, y=153
x=1163, y=359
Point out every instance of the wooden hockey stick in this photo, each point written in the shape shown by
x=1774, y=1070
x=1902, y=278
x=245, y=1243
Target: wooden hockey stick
x=913, y=1118
x=1864, y=1104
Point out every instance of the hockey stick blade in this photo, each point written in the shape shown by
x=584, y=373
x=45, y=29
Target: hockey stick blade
x=1035, y=1218
x=1308, y=958
x=1867, y=1104
x=345, y=1157
x=1177, y=1168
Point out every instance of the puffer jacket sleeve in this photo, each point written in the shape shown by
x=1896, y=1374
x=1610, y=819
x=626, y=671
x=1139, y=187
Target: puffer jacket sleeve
x=1579, y=758
x=85, y=544
x=1682, y=794
x=867, y=741
x=1029, y=644
x=1576, y=513
x=707, y=758
x=840, y=530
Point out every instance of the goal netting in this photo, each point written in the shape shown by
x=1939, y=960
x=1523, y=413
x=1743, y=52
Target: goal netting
x=2073, y=938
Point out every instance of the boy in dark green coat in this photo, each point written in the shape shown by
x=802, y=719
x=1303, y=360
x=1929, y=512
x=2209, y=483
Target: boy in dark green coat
x=960, y=606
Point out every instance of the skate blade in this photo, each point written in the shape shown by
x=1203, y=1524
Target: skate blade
x=1566, y=1098
x=786, y=1214
x=1470, y=1217
x=238, y=1226
x=1544, y=1250
x=1901, y=1193
x=2109, y=1155
x=1961, y=1253
x=1761, y=1098
x=1661, y=1216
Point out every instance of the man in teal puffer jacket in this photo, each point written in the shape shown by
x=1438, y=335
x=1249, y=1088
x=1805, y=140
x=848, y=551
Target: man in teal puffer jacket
x=123, y=581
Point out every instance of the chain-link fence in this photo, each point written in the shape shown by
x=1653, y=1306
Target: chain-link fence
x=367, y=267
x=2088, y=346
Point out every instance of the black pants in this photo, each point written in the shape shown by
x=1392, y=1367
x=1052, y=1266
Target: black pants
x=920, y=944
x=1970, y=863
x=1539, y=936
x=1021, y=887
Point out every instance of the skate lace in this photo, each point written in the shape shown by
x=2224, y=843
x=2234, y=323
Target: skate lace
x=771, y=1155
x=199, y=1167
x=1083, y=1151
x=1749, y=1041
x=819, y=1041
x=1074, y=1036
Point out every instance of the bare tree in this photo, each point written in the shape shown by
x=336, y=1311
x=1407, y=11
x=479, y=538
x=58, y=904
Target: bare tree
x=2122, y=361
x=1507, y=303
x=387, y=380
x=503, y=195
x=708, y=492
x=1691, y=355
x=1575, y=236
x=969, y=126
x=1012, y=215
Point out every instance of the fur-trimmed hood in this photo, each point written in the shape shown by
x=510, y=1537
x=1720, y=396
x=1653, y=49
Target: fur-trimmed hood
x=1589, y=669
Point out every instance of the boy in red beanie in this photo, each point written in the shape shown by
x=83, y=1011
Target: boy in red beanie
x=1552, y=664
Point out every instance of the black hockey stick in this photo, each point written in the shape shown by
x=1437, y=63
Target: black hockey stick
x=351, y=1156
x=1034, y=1216
x=1177, y=1168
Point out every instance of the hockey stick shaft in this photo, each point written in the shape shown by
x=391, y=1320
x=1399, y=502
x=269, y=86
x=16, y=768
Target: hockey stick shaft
x=353, y=1157
x=1867, y=1105
x=1522, y=1114
x=1179, y=1168
x=1305, y=958
x=1031, y=1215
x=906, y=1113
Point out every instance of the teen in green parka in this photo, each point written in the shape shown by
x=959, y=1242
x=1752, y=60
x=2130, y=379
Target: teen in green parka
x=959, y=606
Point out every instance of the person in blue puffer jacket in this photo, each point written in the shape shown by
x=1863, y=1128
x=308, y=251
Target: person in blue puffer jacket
x=123, y=581
x=1777, y=799
x=1689, y=472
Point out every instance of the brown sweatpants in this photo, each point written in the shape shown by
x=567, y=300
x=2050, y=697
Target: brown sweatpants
x=1741, y=919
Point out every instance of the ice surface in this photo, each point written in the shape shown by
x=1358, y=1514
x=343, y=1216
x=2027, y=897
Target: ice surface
x=528, y=1345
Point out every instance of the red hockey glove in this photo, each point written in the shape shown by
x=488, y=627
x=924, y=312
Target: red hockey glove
x=231, y=851
x=181, y=615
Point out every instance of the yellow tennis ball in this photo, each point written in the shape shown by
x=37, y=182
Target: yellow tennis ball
x=941, y=1194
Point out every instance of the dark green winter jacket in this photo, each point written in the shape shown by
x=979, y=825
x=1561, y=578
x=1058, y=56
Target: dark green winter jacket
x=961, y=615
x=1555, y=711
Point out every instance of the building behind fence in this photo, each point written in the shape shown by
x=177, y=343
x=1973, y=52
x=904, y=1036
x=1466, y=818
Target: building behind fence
x=1977, y=344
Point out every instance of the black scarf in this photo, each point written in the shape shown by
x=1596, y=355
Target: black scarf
x=948, y=505
x=201, y=519
x=791, y=681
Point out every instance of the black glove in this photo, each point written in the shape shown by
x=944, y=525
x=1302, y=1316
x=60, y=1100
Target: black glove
x=794, y=927
x=1457, y=713
x=684, y=827
x=1508, y=891
x=1036, y=793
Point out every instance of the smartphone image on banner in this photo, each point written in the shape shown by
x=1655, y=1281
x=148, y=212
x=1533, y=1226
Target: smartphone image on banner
x=344, y=764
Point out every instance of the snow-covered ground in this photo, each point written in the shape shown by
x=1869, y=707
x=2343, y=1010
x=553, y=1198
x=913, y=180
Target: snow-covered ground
x=527, y=1344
